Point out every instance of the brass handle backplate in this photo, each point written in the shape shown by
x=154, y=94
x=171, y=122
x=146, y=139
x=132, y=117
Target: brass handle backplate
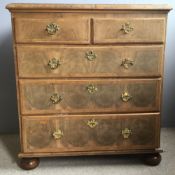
x=126, y=96
x=92, y=123
x=90, y=55
x=55, y=98
x=91, y=88
x=54, y=63
x=126, y=133
x=58, y=134
x=127, y=28
x=52, y=28
x=127, y=62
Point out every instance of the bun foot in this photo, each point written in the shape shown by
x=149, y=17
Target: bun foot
x=29, y=163
x=152, y=159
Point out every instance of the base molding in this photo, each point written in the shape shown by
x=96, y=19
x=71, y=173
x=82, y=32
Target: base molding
x=89, y=153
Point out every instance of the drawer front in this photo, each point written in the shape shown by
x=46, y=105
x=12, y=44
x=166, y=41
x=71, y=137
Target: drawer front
x=58, y=30
x=72, y=96
x=118, y=61
x=129, y=30
x=90, y=132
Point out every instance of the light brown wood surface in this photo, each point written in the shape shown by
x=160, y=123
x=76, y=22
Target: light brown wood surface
x=33, y=61
x=144, y=30
x=78, y=136
x=84, y=28
x=91, y=153
x=30, y=6
x=36, y=94
x=70, y=30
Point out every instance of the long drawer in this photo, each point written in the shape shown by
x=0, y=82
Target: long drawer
x=90, y=132
x=61, y=61
x=93, y=95
x=55, y=30
x=134, y=30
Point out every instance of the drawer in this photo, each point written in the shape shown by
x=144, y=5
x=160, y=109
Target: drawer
x=90, y=132
x=85, y=96
x=55, y=30
x=116, y=61
x=129, y=30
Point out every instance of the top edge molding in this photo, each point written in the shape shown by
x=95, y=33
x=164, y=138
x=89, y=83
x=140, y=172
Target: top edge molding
x=33, y=6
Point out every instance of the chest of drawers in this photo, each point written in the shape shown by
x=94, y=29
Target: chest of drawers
x=89, y=79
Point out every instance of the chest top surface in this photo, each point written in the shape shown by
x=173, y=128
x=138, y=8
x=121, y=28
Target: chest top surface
x=133, y=7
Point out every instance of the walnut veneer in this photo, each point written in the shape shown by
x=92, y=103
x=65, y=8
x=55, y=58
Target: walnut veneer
x=89, y=79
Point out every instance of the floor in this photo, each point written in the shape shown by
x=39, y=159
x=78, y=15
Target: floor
x=93, y=165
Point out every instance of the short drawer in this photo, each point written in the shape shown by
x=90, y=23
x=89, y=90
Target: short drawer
x=90, y=132
x=55, y=30
x=116, y=61
x=74, y=96
x=129, y=30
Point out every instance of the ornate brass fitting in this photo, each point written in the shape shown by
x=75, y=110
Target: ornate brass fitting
x=58, y=134
x=92, y=123
x=54, y=63
x=127, y=62
x=127, y=28
x=55, y=98
x=126, y=96
x=91, y=88
x=126, y=133
x=52, y=28
x=90, y=55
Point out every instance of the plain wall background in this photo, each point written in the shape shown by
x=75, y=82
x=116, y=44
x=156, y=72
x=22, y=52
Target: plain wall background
x=8, y=105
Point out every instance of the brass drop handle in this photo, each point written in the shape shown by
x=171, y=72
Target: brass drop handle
x=55, y=98
x=90, y=55
x=127, y=28
x=58, y=134
x=54, y=63
x=92, y=123
x=91, y=88
x=126, y=133
x=52, y=28
x=126, y=63
x=126, y=96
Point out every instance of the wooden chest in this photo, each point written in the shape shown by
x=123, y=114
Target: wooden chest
x=89, y=79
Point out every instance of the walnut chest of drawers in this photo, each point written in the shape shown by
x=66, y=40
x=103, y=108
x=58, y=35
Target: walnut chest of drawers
x=89, y=79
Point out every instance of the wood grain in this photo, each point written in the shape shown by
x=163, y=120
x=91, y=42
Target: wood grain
x=92, y=153
x=71, y=30
x=33, y=61
x=144, y=30
x=35, y=96
x=90, y=15
x=78, y=136
x=84, y=28
x=30, y=6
